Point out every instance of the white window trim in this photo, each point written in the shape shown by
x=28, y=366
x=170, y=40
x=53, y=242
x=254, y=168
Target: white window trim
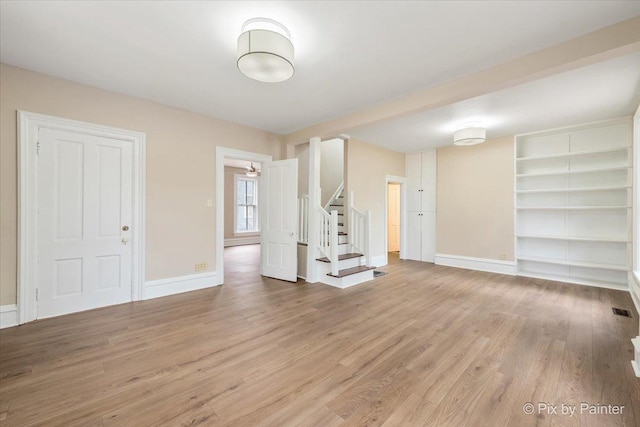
x=236, y=178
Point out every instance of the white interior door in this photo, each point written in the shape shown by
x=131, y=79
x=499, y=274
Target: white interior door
x=428, y=241
x=414, y=236
x=85, y=204
x=393, y=217
x=278, y=216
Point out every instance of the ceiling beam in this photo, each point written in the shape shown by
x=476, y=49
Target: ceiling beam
x=616, y=40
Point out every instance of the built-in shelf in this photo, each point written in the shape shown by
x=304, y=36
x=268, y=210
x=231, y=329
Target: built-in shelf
x=574, y=238
x=572, y=154
x=570, y=208
x=574, y=190
x=596, y=159
x=571, y=172
x=571, y=263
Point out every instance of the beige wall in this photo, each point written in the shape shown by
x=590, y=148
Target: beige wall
x=475, y=200
x=331, y=167
x=180, y=166
x=367, y=167
x=301, y=152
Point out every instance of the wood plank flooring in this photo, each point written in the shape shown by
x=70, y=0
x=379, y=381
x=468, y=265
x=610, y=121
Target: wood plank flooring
x=422, y=345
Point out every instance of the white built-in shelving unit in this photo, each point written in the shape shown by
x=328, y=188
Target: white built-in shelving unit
x=573, y=203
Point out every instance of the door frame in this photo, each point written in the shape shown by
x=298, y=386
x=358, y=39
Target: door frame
x=402, y=182
x=221, y=154
x=29, y=125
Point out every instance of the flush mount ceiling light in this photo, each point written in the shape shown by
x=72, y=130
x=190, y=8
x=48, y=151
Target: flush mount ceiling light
x=265, y=51
x=470, y=134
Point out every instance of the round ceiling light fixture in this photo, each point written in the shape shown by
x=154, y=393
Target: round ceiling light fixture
x=470, y=134
x=265, y=51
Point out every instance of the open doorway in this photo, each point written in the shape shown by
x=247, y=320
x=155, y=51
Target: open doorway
x=237, y=216
x=241, y=218
x=395, y=218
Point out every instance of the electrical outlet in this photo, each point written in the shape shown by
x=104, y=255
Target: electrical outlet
x=503, y=256
x=201, y=266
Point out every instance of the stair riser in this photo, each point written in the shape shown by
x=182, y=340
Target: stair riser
x=343, y=249
x=342, y=264
x=345, y=282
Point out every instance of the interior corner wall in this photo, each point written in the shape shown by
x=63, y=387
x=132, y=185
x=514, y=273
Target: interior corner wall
x=475, y=201
x=181, y=147
x=301, y=152
x=367, y=168
x=331, y=167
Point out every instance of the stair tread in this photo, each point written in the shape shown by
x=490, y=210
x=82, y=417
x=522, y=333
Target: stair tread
x=350, y=271
x=341, y=257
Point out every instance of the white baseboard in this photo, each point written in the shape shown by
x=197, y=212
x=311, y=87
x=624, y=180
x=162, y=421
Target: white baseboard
x=177, y=285
x=8, y=315
x=238, y=241
x=379, y=261
x=480, y=264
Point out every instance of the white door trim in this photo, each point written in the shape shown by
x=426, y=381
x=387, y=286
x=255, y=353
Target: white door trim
x=29, y=125
x=221, y=154
x=402, y=181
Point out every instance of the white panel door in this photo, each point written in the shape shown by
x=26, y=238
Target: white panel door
x=278, y=219
x=428, y=181
x=414, y=182
x=428, y=238
x=85, y=193
x=393, y=217
x=414, y=236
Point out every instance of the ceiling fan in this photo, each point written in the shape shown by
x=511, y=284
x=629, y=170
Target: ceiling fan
x=251, y=171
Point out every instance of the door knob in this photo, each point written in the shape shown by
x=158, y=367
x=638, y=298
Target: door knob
x=125, y=228
x=125, y=240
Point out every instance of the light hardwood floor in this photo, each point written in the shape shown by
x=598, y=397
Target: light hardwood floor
x=423, y=345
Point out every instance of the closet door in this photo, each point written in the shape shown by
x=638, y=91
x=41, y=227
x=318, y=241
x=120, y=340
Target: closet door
x=428, y=236
x=414, y=236
x=428, y=181
x=414, y=182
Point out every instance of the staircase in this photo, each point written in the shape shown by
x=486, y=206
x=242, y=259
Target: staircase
x=344, y=242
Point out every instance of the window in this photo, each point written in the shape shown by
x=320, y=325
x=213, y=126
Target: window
x=246, y=205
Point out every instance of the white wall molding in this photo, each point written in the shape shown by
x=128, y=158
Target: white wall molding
x=8, y=316
x=177, y=285
x=480, y=264
x=238, y=241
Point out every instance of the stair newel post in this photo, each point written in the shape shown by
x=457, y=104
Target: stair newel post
x=351, y=235
x=333, y=242
x=367, y=238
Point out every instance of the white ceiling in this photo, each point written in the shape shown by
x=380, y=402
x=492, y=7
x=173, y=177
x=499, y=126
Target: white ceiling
x=349, y=55
x=604, y=90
